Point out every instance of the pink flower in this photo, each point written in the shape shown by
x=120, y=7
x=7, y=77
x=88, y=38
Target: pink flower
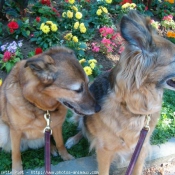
x=168, y=18
x=117, y=35
x=106, y=41
x=106, y=31
x=121, y=49
x=7, y=56
x=95, y=47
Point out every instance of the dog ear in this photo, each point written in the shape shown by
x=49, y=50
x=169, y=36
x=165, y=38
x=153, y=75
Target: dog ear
x=136, y=31
x=43, y=68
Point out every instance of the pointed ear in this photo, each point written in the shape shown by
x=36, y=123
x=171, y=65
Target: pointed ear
x=136, y=31
x=43, y=68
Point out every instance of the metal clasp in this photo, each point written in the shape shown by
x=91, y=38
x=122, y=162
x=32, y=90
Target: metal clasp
x=47, y=118
x=148, y=119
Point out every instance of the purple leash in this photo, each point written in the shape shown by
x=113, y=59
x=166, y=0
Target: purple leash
x=138, y=148
x=47, y=132
x=47, y=153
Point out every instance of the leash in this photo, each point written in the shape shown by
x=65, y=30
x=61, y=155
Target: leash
x=139, y=145
x=47, y=133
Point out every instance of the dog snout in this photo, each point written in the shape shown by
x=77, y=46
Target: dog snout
x=97, y=108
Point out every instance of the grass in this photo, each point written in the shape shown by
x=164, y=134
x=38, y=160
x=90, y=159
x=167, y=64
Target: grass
x=35, y=158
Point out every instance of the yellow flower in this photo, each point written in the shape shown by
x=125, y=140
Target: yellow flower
x=71, y=1
x=92, y=65
x=126, y=5
x=45, y=29
x=0, y=81
x=105, y=10
x=109, y=1
x=82, y=25
x=54, y=27
x=78, y=15
x=69, y=14
x=68, y=36
x=92, y=61
x=99, y=12
x=42, y=25
x=82, y=61
x=75, y=39
x=74, y=8
x=64, y=14
x=49, y=22
x=132, y=5
x=88, y=70
x=76, y=25
x=83, y=29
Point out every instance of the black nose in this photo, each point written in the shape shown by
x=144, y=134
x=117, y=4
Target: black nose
x=97, y=108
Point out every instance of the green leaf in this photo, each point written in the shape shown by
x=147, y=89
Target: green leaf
x=9, y=66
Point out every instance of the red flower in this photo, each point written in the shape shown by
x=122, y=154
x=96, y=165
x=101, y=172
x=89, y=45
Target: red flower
x=46, y=2
x=56, y=11
x=126, y=1
x=7, y=56
x=11, y=31
x=13, y=25
x=38, y=19
x=38, y=50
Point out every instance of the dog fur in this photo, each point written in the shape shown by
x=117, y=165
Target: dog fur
x=53, y=81
x=129, y=92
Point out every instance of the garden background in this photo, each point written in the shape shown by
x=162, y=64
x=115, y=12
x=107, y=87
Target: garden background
x=90, y=28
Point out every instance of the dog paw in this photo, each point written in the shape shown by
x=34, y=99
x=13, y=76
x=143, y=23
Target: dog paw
x=70, y=143
x=53, y=150
x=67, y=157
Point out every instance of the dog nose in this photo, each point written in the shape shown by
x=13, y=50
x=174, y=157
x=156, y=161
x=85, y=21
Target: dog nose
x=97, y=108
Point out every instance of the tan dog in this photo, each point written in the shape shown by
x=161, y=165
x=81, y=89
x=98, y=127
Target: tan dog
x=132, y=90
x=50, y=81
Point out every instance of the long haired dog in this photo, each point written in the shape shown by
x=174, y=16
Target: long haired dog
x=54, y=81
x=129, y=92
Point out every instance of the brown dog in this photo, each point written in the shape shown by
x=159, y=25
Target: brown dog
x=132, y=90
x=50, y=81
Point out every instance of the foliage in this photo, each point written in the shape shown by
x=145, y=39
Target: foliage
x=73, y=42
x=12, y=54
x=111, y=41
x=91, y=67
x=165, y=128
x=19, y=27
x=45, y=10
x=168, y=22
x=164, y=8
x=47, y=35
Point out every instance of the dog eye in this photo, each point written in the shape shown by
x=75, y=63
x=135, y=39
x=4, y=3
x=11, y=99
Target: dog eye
x=79, y=90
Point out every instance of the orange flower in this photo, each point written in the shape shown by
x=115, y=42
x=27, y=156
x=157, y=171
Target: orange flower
x=171, y=1
x=169, y=34
x=173, y=35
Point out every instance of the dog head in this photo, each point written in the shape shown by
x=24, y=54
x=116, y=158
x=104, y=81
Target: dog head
x=59, y=76
x=146, y=66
